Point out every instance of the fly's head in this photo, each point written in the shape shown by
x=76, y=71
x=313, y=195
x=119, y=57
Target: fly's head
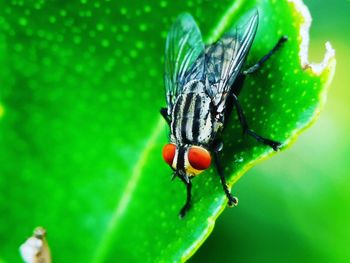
x=186, y=160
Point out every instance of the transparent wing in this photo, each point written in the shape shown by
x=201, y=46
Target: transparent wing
x=184, y=45
x=224, y=60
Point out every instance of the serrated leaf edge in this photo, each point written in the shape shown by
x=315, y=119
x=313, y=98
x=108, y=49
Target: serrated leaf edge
x=316, y=68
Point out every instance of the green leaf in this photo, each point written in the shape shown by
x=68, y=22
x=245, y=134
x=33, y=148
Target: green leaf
x=80, y=131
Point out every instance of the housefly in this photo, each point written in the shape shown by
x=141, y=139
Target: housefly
x=202, y=84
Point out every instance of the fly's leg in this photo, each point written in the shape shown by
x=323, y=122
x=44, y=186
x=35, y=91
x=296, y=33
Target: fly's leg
x=187, y=205
x=232, y=200
x=164, y=113
x=266, y=57
x=238, y=84
x=273, y=144
x=240, y=79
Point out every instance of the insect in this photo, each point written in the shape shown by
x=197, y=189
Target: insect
x=202, y=84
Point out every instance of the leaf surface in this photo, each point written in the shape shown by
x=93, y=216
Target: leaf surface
x=81, y=136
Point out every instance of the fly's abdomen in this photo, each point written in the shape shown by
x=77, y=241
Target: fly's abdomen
x=192, y=120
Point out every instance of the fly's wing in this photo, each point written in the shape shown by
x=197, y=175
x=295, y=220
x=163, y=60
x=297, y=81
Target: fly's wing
x=224, y=60
x=184, y=46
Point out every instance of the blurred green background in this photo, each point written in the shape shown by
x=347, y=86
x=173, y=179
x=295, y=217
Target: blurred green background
x=295, y=207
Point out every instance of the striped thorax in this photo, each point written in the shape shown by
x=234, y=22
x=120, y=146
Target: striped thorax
x=193, y=122
x=193, y=128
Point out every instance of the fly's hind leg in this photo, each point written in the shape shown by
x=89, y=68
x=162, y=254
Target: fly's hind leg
x=273, y=144
x=232, y=200
x=238, y=86
x=164, y=113
x=257, y=66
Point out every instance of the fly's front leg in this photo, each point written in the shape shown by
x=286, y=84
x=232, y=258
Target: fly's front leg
x=164, y=113
x=232, y=200
x=266, y=57
x=187, y=205
x=273, y=144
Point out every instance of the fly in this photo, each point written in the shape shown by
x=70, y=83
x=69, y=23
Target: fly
x=202, y=84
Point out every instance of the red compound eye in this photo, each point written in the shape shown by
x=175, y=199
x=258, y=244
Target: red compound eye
x=199, y=158
x=169, y=153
